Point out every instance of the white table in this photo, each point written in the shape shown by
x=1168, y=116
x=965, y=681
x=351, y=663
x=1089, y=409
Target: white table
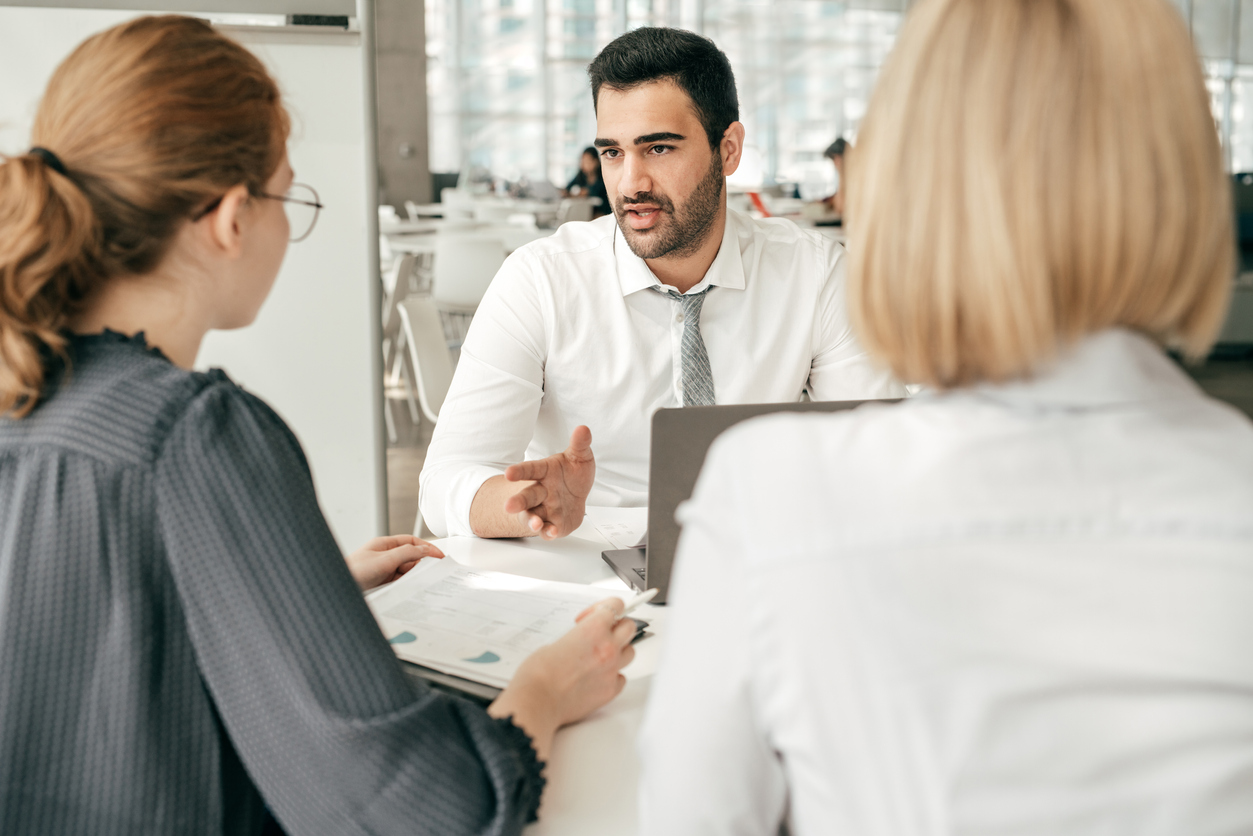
x=404, y=226
x=415, y=244
x=593, y=771
x=512, y=237
x=425, y=210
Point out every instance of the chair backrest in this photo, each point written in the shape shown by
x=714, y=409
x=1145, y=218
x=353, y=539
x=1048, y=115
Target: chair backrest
x=492, y=212
x=574, y=209
x=464, y=267
x=399, y=273
x=432, y=362
x=457, y=203
x=396, y=287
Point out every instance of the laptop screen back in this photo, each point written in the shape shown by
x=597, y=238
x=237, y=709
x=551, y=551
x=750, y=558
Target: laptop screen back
x=681, y=438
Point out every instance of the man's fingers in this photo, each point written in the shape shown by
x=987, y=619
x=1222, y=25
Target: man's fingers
x=580, y=443
x=522, y=471
x=532, y=496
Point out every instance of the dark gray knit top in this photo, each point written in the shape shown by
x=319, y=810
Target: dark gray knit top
x=178, y=631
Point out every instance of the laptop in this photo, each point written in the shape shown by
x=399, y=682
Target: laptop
x=680, y=439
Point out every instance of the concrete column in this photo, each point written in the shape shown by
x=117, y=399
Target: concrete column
x=404, y=148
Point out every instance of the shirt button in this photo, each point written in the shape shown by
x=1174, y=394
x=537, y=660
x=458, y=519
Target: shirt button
x=679, y=318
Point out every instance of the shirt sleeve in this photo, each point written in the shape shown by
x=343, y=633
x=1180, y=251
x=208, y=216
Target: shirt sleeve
x=335, y=736
x=841, y=369
x=488, y=417
x=707, y=765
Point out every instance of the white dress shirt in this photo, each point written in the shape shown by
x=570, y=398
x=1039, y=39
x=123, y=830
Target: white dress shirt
x=1007, y=611
x=570, y=333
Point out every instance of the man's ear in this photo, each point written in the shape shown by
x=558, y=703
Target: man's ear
x=731, y=147
x=226, y=222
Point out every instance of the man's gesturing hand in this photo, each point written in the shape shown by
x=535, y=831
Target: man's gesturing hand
x=552, y=505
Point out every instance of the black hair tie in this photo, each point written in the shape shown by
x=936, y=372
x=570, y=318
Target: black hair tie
x=51, y=160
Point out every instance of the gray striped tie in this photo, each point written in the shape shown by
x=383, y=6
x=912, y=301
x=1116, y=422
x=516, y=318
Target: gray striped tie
x=698, y=379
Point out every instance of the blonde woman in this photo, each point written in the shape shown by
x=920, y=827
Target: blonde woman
x=1022, y=604
x=181, y=642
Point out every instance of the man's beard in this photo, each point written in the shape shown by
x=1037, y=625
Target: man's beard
x=676, y=234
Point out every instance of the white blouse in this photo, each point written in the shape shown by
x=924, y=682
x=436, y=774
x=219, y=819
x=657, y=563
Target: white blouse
x=1019, y=609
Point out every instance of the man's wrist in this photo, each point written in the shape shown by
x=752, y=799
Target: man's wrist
x=488, y=518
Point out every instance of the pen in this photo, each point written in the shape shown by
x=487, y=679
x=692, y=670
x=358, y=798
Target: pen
x=642, y=598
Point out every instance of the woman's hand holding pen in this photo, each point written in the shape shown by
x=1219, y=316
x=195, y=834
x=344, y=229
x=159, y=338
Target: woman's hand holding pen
x=567, y=680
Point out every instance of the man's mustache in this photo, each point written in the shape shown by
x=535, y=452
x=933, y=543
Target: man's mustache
x=660, y=201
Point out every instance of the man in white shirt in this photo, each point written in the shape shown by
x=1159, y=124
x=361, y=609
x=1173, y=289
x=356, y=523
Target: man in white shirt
x=672, y=301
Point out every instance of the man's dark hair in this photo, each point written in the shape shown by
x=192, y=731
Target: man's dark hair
x=836, y=149
x=694, y=63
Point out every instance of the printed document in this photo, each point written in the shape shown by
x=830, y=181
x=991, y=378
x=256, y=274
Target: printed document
x=623, y=528
x=476, y=624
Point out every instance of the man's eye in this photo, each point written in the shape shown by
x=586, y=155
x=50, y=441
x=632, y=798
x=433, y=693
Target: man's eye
x=661, y=149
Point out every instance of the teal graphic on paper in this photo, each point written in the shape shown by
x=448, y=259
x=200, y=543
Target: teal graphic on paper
x=484, y=658
x=402, y=638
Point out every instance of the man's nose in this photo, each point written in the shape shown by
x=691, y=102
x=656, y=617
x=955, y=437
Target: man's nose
x=635, y=177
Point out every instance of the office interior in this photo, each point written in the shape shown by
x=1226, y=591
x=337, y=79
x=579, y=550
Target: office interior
x=489, y=100
x=475, y=116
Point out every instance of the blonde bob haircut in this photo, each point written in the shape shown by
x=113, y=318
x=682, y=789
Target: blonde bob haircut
x=1031, y=171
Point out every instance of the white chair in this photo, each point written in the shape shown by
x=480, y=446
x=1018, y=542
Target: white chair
x=493, y=211
x=428, y=353
x=574, y=209
x=397, y=284
x=428, y=360
x=464, y=266
x=457, y=204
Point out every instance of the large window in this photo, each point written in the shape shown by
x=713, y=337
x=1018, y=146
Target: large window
x=1223, y=31
x=509, y=98
x=508, y=78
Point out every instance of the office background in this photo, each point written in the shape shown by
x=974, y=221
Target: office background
x=508, y=93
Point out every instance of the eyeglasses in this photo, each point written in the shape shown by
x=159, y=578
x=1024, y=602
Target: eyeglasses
x=300, y=203
x=302, y=206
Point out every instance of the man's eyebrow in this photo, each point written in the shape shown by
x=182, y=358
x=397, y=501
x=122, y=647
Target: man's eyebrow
x=658, y=137
x=661, y=136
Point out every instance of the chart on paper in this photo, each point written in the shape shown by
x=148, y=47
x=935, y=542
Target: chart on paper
x=476, y=624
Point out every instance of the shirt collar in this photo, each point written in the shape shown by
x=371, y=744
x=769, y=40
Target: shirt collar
x=727, y=269
x=1110, y=368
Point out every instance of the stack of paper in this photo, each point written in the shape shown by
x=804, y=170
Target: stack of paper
x=475, y=624
x=624, y=528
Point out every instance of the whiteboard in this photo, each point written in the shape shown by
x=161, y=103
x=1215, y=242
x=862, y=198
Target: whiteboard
x=313, y=354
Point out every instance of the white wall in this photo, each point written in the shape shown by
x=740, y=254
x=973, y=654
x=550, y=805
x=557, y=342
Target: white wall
x=312, y=351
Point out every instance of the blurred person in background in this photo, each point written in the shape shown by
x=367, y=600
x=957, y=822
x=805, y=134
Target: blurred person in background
x=1019, y=604
x=835, y=153
x=589, y=183
x=182, y=643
